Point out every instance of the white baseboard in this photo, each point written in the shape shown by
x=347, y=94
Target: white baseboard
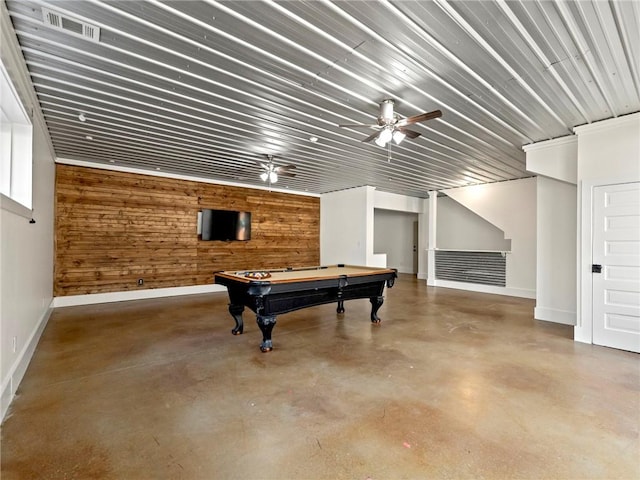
x=476, y=287
x=11, y=382
x=554, y=315
x=73, y=300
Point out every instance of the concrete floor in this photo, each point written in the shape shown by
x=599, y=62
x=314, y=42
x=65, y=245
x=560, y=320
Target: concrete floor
x=452, y=384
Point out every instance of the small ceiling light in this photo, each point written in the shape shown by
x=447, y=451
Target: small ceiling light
x=88, y=137
x=82, y=118
x=398, y=136
x=313, y=139
x=384, y=137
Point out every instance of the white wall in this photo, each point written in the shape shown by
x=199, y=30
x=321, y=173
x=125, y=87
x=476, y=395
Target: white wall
x=26, y=249
x=556, y=163
x=398, y=203
x=458, y=228
x=608, y=153
x=510, y=206
x=347, y=227
x=420, y=206
x=394, y=236
x=556, y=251
x=557, y=158
x=609, y=150
x=344, y=227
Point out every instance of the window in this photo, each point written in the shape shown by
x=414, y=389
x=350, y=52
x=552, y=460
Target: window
x=16, y=143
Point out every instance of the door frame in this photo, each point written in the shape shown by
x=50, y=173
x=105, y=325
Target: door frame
x=583, y=331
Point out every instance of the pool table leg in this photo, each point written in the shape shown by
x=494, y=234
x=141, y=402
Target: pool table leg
x=266, y=324
x=340, y=308
x=376, y=303
x=236, y=313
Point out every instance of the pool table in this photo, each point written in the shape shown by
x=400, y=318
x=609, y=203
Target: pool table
x=269, y=293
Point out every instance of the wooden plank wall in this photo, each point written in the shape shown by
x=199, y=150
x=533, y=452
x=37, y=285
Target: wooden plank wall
x=113, y=228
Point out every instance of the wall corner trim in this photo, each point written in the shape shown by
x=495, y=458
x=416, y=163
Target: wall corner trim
x=548, y=144
x=607, y=124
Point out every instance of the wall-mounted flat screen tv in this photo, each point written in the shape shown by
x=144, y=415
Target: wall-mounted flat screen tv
x=225, y=225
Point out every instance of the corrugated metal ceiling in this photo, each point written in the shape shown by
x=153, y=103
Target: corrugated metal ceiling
x=207, y=88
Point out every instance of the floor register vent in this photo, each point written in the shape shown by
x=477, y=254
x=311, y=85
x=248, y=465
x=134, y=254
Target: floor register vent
x=71, y=25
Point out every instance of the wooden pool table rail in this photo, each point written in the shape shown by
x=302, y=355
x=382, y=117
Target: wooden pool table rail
x=290, y=275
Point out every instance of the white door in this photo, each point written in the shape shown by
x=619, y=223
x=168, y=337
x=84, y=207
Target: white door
x=616, y=248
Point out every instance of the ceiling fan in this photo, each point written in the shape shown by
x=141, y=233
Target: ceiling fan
x=271, y=171
x=391, y=127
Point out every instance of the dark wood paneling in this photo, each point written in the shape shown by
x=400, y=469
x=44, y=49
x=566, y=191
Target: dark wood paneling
x=113, y=228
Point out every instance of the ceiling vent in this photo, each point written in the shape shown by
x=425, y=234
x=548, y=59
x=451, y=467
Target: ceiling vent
x=71, y=25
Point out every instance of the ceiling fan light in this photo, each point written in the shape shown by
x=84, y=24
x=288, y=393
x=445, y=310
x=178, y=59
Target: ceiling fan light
x=398, y=136
x=380, y=142
x=264, y=176
x=273, y=177
x=385, y=136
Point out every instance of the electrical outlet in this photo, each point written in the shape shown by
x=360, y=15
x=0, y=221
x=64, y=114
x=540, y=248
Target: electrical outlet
x=140, y=281
x=14, y=344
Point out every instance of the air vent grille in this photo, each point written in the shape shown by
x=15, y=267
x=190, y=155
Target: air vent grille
x=70, y=25
x=487, y=268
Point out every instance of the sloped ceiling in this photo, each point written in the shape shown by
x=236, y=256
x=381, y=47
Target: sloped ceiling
x=207, y=88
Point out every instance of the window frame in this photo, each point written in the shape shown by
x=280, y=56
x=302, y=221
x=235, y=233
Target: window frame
x=16, y=191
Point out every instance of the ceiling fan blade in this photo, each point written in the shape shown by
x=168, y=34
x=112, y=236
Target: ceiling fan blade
x=262, y=165
x=284, y=167
x=286, y=174
x=358, y=125
x=419, y=118
x=371, y=137
x=408, y=133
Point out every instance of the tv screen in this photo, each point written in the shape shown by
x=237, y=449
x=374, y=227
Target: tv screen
x=225, y=225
